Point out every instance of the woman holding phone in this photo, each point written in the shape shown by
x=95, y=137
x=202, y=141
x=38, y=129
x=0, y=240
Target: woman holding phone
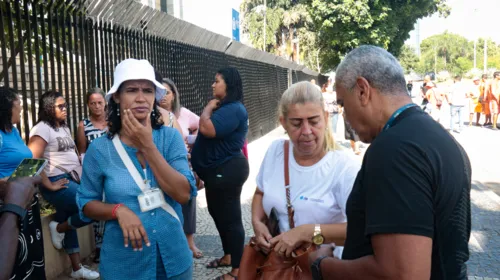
x=51, y=139
x=320, y=178
x=12, y=152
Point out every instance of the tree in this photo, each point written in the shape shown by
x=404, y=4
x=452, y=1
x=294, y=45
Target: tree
x=493, y=54
x=447, y=51
x=408, y=59
x=346, y=24
x=286, y=20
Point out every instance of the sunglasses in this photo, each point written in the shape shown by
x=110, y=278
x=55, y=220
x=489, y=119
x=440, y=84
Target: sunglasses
x=62, y=106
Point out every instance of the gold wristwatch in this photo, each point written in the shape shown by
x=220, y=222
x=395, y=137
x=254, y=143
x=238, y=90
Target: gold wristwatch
x=318, y=238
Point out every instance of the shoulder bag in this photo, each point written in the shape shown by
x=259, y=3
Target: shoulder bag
x=256, y=265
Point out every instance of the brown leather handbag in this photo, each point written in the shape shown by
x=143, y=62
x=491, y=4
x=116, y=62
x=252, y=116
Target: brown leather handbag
x=256, y=265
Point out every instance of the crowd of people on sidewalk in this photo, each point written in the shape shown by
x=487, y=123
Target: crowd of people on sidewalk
x=480, y=98
x=140, y=158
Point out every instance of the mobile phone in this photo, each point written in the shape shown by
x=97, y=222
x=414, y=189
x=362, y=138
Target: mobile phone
x=191, y=139
x=29, y=167
x=273, y=223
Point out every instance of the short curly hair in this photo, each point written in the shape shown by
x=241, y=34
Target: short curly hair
x=47, y=109
x=7, y=98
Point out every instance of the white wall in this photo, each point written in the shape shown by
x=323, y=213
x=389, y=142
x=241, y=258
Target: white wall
x=214, y=15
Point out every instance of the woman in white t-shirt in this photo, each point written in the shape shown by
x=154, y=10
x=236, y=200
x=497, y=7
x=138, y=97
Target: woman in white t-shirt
x=51, y=139
x=321, y=178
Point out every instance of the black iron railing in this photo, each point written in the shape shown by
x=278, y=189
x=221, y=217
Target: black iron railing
x=55, y=45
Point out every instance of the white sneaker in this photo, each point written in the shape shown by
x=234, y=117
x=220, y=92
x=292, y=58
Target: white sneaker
x=84, y=273
x=57, y=237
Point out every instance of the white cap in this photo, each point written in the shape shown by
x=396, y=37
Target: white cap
x=134, y=69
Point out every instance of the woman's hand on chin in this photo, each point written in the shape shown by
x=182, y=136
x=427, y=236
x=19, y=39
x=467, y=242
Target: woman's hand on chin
x=140, y=135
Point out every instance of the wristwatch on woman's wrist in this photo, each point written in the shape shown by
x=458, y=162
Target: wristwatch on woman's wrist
x=318, y=238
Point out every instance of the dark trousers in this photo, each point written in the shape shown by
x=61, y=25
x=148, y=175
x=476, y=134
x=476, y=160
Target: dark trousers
x=189, y=213
x=223, y=186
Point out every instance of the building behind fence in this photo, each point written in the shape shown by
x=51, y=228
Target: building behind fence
x=72, y=47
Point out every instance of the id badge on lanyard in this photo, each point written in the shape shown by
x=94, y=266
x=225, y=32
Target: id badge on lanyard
x=151, y=198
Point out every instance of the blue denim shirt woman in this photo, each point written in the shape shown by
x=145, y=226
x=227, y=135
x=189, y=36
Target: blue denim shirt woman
x=138, y=244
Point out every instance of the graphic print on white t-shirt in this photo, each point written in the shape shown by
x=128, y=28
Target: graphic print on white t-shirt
x=60, y=149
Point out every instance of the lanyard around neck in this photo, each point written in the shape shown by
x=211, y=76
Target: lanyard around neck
x=398, y=112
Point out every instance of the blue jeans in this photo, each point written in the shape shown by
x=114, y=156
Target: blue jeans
x=334, y=118
x=456, y=113
x=64, y=200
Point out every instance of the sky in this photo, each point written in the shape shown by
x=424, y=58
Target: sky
x=212, y=15
x=469, y=18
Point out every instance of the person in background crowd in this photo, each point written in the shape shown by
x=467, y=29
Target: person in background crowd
x=409, y=86
x=313, y=81
x=51, y=139
x=329, y=87
x=317, y=170
x=408, y=218
x=29, y=263
x=332, y=108
x=493, y=96
x=189, y=124
x=218, y=160
x=158, y=158
x=483, y=98
x=474, y=105
x=434, y=99
x=18, y=199
x=423, y=89
x=457, y=100
x=352, y=136
x=323, y=87
x=165, y=101
x=90, y=129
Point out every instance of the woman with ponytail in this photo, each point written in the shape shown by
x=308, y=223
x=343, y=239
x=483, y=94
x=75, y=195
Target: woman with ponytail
x=320, y=178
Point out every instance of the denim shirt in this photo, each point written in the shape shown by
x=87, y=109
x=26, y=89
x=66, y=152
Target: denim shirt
x=104, y=172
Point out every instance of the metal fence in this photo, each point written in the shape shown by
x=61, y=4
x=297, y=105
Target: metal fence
x=71, y=46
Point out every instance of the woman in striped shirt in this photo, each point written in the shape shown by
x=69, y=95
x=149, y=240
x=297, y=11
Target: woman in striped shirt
x=90, y=129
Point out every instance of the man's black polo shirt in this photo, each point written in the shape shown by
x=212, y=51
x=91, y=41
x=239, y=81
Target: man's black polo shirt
x=415, y=179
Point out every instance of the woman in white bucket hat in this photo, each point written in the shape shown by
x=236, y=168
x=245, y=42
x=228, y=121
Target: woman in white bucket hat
x=142, y=169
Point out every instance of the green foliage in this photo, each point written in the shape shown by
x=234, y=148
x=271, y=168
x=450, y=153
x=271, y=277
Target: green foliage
x=328, y=29
x=346, y=24
x=455, y=54
x=408, y=59
x=463, y=65
x=286, y=20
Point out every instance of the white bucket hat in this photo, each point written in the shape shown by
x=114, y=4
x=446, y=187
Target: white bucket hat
x=134, y=69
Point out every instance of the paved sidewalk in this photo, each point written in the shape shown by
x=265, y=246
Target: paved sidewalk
x=484, y=260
